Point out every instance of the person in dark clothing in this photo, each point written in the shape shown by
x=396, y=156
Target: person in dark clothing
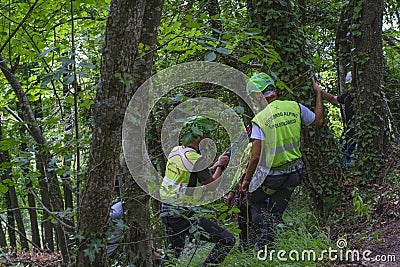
x=349, y=130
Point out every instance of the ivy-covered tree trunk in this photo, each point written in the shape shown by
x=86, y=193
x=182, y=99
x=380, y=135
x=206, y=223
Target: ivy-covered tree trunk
x=137, y=201
x=371, y=114
x=343, y=47
x=122, y=37
x=280, y=22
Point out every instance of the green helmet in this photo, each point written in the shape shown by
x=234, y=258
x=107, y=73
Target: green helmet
x=259, y=82
x=195, y=127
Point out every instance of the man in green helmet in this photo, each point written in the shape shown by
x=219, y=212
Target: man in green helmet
x=186, y=171
x=275, y=167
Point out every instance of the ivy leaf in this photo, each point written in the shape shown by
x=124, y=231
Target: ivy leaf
x=253, y=31
x=210, y=57
x=192, y=229
x=223, y=50
x=82, y=74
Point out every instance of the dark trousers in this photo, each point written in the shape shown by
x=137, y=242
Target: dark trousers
x=267, y=205
x=348, y=153
x=178, y=228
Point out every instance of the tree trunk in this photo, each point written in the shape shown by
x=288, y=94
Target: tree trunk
x=343, y=46
x=68, y=203
x=18, y=217
x=3, y=242
x=10, y=215
x=122, y=37
x=33, y=216
x=138, y=220
x=13, y=212
x=56, y=205
x=280, y=24
x=47, y=225
x=139, y=250
x=36, y=133
x=343, y=51
x=371, y=114
x=10, y=223
x=31, y=199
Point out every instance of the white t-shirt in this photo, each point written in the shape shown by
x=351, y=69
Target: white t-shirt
x=307, y=117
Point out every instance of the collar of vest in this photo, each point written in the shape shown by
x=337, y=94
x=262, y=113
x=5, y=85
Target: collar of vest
x=194, y=149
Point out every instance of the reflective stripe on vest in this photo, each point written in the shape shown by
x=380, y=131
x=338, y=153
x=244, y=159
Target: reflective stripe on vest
x=280, y=122
x=181, y=152
x=180, y=163
x=285, y=147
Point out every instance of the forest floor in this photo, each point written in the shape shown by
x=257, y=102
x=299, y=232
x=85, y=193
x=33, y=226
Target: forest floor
x=380, y=235
x=372, y=229
x=377, y=229
x=383, y=242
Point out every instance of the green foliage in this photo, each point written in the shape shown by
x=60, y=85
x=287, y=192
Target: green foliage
x=198, y=40
x=301, y=232
x=360, y=207
x=93, y=248
x=282, y=42
x=334, y=120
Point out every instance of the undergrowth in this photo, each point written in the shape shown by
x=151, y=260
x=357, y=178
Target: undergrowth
x=301, y=234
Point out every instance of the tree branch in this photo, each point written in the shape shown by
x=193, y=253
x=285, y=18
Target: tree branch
x=19, y=25
x=54, y=214
x=27, y=112
x=18, y=118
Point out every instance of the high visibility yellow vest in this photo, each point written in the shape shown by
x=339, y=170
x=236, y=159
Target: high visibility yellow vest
x=280, y=122
x=174, y=186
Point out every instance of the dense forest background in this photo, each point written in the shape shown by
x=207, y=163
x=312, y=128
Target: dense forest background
x=70, y=68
